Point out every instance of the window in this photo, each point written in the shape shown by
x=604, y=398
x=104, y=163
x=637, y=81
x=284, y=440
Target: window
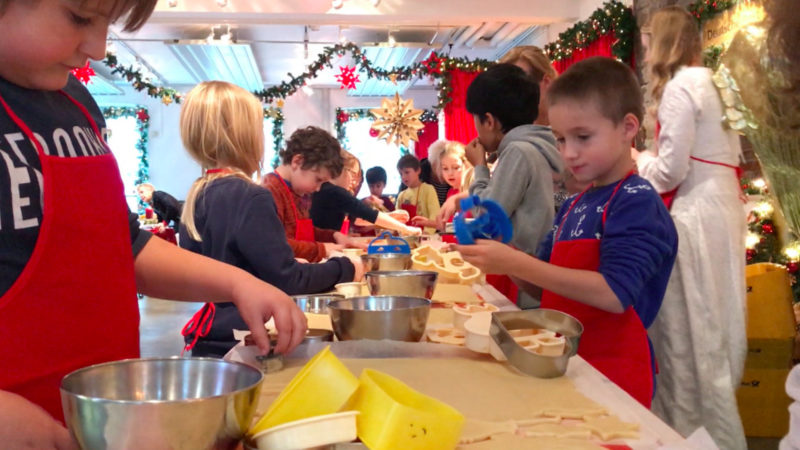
x=373, y=152
x=123, y=135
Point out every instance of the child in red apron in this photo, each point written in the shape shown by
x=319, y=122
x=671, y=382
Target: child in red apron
x=609, y=256
x=419, y=200
x=311, y=157
x=71, y=273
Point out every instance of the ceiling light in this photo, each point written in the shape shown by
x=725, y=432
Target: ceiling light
x=336, y=4
x=307, y=90
x=226, y=38
x=173, y=3
x=391, y=41
x=222, y=3
x=376, y=2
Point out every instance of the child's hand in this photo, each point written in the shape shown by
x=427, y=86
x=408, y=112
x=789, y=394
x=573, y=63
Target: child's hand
x=489, y=256
x=330, y=248
x=448, y=209
x=476, y=153
x=422, y=221
x=257, y=301
x=412, y=231
x=346, y=242
x=358, y=265
x=26, y=425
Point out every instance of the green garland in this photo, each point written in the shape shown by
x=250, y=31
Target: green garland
x=704, y=10
x=711, y=56
x=345, y=115
x=612, y=16
x=167, y=95
x=436, y=66
x=276, y=114
x=143, y=127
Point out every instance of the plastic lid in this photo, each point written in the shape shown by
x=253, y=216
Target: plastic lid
x=394, y=244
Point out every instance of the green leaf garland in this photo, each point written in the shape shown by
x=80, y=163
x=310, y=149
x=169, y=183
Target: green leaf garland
x=143, y=127
x=614, y=17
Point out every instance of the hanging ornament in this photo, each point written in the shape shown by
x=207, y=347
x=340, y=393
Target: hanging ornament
x=792, y=267
x=84, y=74
x=347, y=77
x=343, y=117
x=434, y=63
x=393, y=78
x=373, y=132
x=767, y=228
x=279, y=103
x=142, y=115
x=397, y=120
x=166, y=99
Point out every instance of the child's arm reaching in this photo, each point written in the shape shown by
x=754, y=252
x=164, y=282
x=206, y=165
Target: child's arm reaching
x=585, y=286
x=166, y=271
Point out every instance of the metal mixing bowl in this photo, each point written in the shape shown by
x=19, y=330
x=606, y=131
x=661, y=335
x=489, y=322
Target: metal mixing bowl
x=386, y=261
x=387, y=317
x=315, y=303
x=161, y=403
x=409, y=283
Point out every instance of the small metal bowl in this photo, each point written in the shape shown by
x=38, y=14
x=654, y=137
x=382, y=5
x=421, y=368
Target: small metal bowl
x=385, y=317
x=530, y=363
x=386, y=261
x=315, y=303
x=409, y=283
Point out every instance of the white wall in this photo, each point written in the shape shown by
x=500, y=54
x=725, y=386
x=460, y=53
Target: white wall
x=173, y=170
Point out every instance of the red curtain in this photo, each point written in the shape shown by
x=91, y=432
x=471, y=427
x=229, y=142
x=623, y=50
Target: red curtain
x=428, y=136
x=600, y=47
x=458, y=123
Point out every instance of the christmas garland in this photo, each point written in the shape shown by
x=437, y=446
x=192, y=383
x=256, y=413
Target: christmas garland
x=143, y=127
x=139, y=82
x=436, y=66
x=276, y=114
x=703, y=10
x=762, y=242
x=612, y=17
x=345, y=115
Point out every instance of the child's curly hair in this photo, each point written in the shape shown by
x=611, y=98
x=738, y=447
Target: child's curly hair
x=317, y=148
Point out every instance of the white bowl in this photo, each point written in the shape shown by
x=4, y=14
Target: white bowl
x=351, y=289
x=476, y=330
x=312, y=432
x=461, y=314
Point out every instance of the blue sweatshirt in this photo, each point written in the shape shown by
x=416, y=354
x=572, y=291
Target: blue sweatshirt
x=238, y=223
x=638, y=245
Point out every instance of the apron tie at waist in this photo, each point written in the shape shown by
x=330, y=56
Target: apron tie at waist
x=199, y=325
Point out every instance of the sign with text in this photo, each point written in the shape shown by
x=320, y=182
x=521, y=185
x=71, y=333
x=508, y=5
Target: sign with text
x=720, y=29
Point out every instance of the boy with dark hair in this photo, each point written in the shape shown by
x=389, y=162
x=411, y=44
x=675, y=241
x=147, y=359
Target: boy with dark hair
x=504, y=103
x=376, y=180
x=311, y=157
x=609, y=255
x=419, y=199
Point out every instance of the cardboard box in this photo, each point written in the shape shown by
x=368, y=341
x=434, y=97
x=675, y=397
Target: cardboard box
x=771, y=327
x=763, y=403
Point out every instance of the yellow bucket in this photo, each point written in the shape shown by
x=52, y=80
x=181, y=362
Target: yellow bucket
x=392, y=415
x=321, y=387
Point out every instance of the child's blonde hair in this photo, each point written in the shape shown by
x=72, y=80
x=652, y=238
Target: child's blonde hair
x=535, y=57
x=674, y=42
x=454, y=149
x=221, y=127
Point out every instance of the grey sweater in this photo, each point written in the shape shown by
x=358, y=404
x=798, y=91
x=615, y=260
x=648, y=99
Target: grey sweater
x=522, y=182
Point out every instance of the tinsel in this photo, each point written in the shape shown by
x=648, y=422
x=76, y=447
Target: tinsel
x=143, y=127
x=614, y=17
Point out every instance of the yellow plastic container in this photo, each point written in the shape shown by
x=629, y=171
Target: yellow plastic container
x=392, y=415
x=322, y=386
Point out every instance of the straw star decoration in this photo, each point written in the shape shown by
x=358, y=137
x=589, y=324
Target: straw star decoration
x=397, y=120
x=347, y=77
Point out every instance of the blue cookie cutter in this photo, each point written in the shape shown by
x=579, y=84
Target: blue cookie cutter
x=399, y=246
x=490, y=221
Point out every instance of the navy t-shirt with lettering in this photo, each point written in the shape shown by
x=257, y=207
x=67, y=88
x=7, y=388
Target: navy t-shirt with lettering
x=63, y=131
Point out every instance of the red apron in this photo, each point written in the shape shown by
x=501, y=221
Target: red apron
x=412, y=209
x=74, y=304
x=304, y=230
x=615, y=344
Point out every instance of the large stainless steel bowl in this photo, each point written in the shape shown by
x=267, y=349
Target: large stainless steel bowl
x=408, y=283
x=315, y=303
x=387, y=317
x=386, y=261
x=160, y=403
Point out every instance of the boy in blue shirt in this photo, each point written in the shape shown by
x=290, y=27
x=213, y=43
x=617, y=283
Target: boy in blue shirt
x=611, y=250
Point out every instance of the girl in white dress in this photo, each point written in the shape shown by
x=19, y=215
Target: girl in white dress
x=699, y=334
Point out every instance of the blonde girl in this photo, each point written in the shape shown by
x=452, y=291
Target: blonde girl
x=449, y=163
x=231, y=218
x=699, y=333
x=535, y=63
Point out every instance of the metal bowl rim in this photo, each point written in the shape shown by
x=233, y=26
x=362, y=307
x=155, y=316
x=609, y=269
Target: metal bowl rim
x=305, y=296
x=151, y=402
x=427, y=303
x=400, y=273
x=390, y=255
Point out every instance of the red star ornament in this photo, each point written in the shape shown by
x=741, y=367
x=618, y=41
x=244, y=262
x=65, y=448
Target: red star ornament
x=434, y=63
x=347, y=77
x=84, y=74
